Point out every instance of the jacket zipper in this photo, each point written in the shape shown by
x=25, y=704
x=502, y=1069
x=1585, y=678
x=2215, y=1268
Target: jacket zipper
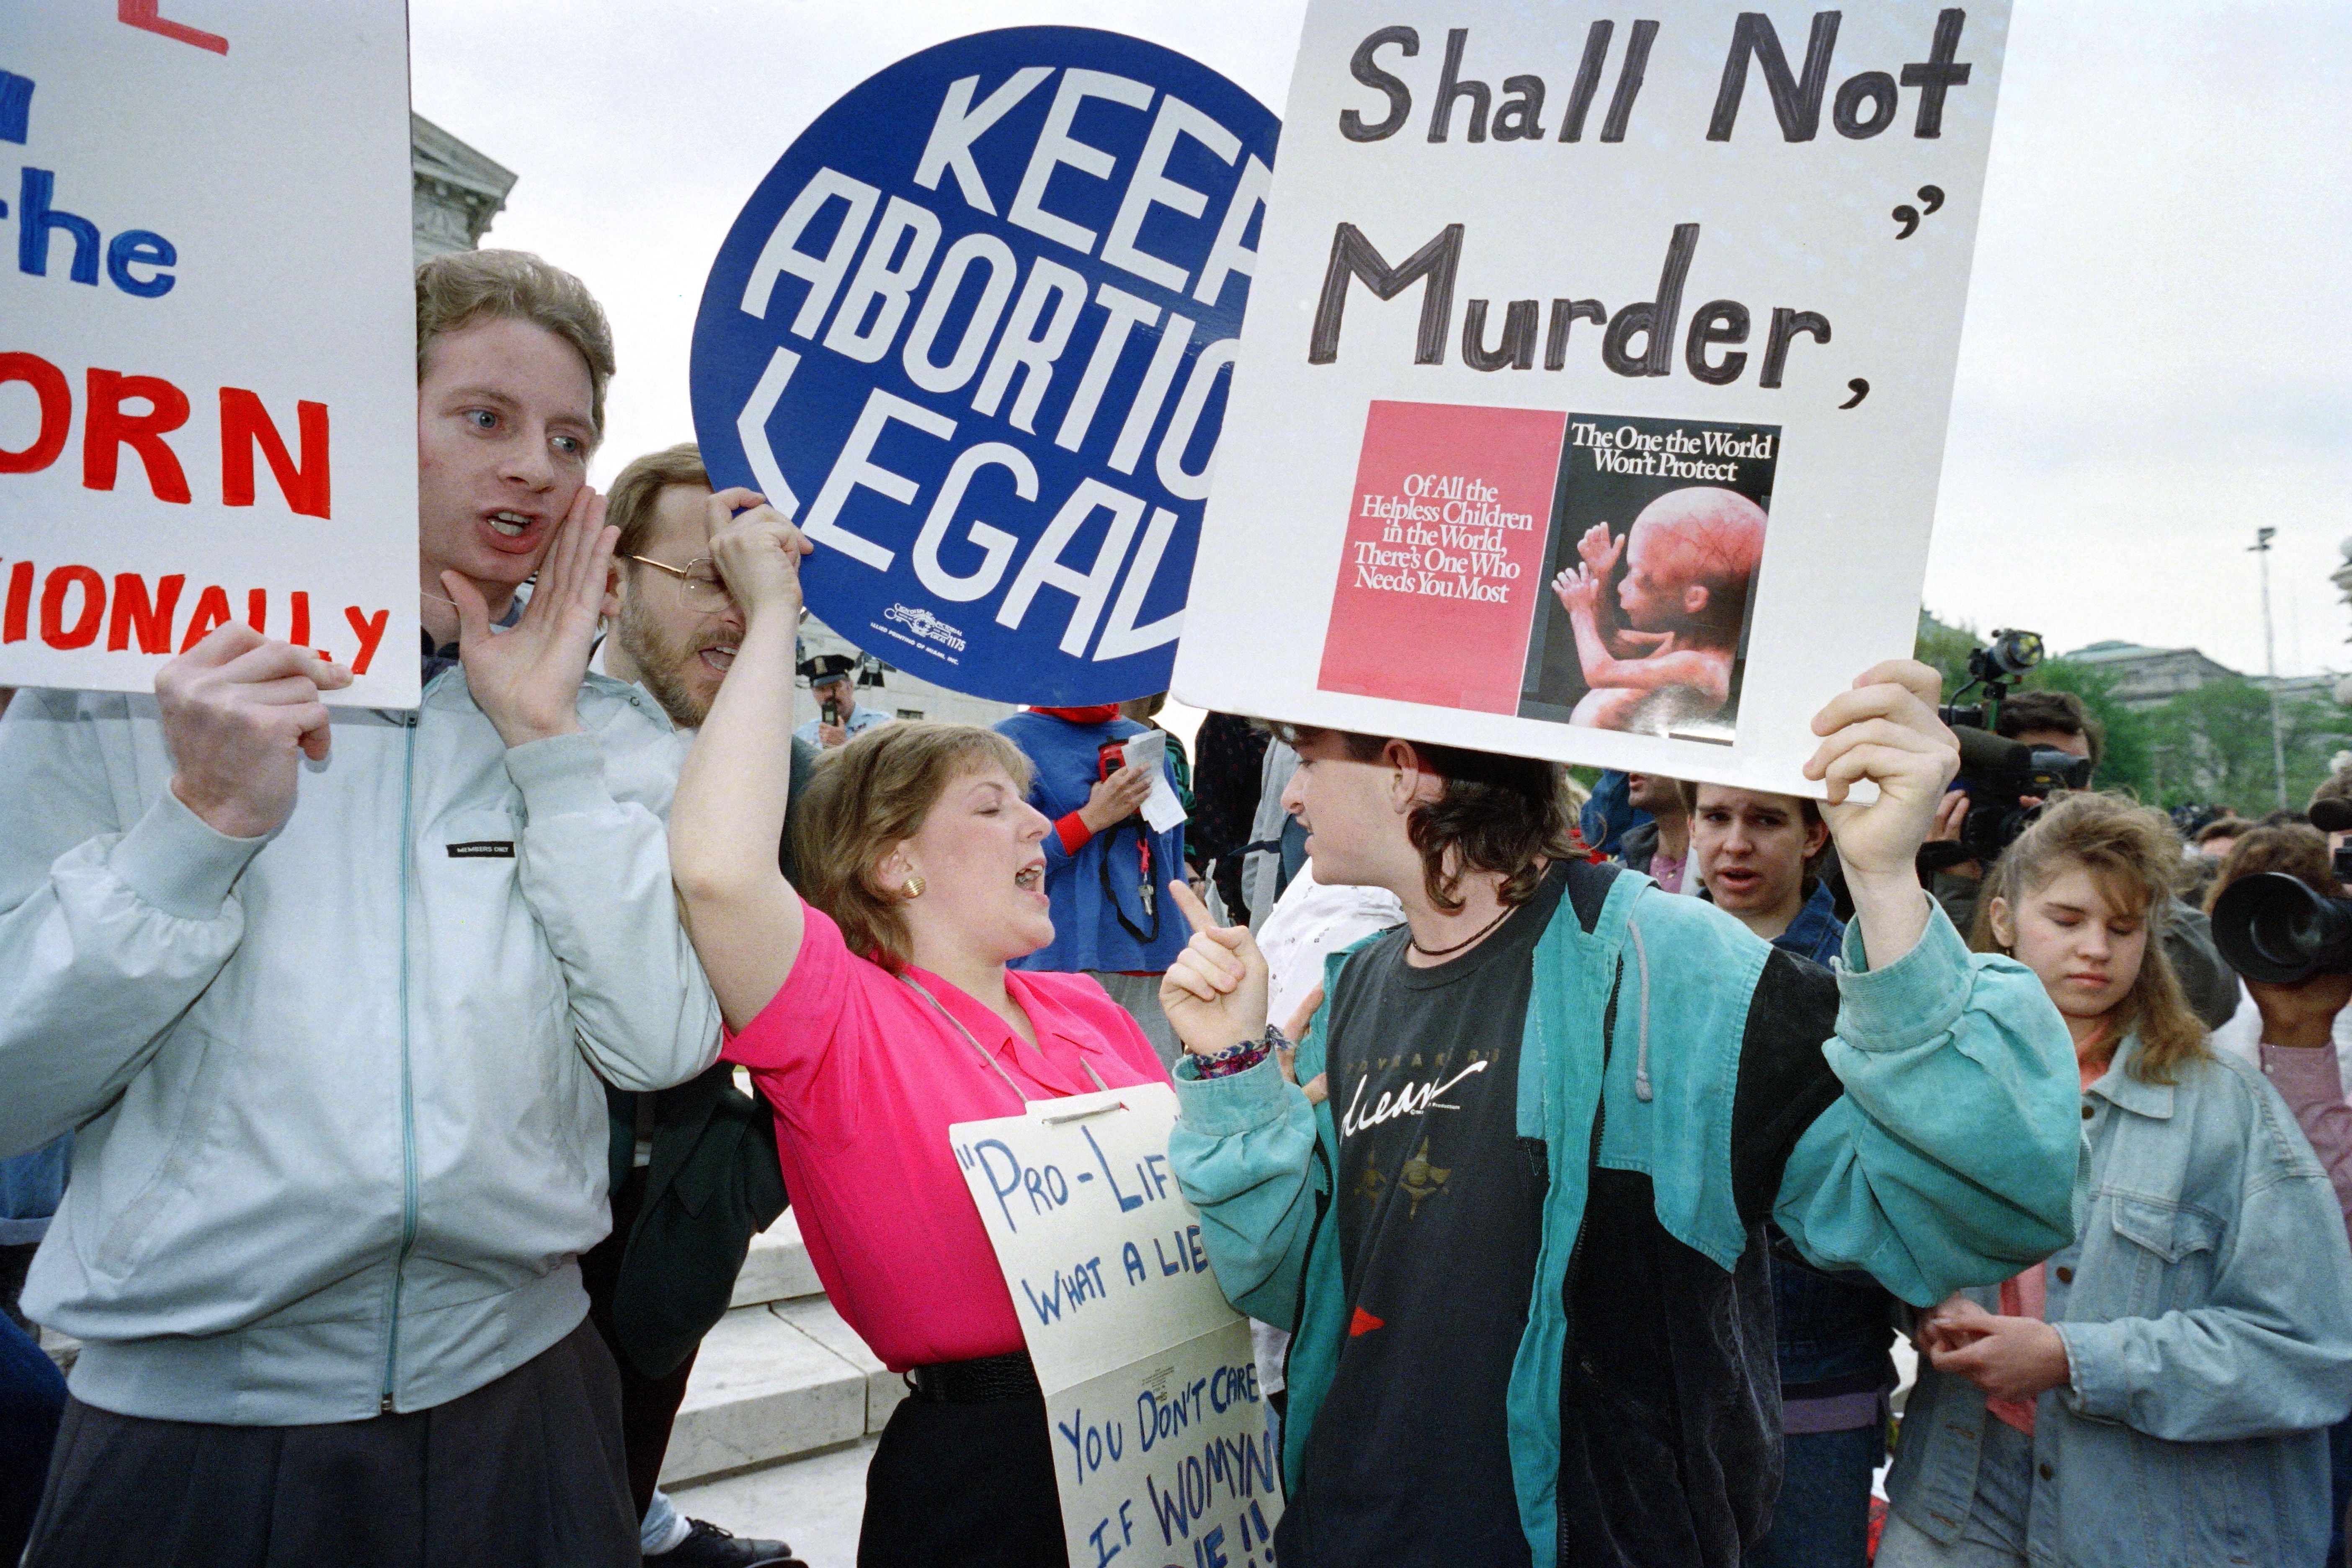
x=1584, y=1220
x=1592, y=1160
x=1314, y=1234
x=407, y=1100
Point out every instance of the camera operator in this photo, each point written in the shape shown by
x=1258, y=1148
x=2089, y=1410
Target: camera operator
x=2299, y=1035
x=2058, y=722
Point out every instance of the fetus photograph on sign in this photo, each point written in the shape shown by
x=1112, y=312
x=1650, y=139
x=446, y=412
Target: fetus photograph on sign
x=1657, y=529
x=1582, y=569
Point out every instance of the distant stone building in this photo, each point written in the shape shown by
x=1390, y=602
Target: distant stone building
x=2148, y=677
x=455, y=190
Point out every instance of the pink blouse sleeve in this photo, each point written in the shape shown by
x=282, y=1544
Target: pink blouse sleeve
x=805, y=1039
x=2313, y=1087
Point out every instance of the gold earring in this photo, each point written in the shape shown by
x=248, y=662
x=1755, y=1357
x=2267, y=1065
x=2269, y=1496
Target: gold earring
x=913, y=887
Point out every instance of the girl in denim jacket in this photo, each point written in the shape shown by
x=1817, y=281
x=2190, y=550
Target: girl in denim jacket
x=2157, y=1393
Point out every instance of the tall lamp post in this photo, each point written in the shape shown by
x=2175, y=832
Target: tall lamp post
x=2262, y=547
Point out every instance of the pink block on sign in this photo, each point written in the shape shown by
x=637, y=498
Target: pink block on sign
x=1442, y=567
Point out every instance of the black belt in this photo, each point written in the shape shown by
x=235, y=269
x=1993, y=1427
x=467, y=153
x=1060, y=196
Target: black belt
x=991, y=1380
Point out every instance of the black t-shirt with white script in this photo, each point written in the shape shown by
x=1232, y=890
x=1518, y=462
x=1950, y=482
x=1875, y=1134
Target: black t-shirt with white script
x=1439, y=1207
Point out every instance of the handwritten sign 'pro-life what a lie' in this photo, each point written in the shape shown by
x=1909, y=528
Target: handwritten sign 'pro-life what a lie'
x=1161, y=1451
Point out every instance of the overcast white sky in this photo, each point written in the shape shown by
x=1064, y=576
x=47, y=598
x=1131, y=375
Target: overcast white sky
x=2154, y=357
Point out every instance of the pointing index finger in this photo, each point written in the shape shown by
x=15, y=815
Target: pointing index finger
x=1195, y=912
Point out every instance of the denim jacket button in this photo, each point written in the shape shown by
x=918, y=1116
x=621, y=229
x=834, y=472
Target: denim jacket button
x=2088, y=1112
x=2044, y=1470
x=2066, y=1275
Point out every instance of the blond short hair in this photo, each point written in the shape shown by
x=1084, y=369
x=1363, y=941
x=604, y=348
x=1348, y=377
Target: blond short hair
x=629, y=504
x=870, y=795
x=468, y=286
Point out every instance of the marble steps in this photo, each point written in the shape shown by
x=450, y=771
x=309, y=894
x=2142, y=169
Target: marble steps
x=782, y=1375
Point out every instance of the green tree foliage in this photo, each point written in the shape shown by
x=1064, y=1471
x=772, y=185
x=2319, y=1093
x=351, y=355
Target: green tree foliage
x=2214, y=746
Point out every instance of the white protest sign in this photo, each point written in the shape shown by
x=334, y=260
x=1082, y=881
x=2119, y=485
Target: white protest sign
x=1592, y=400
x=207, y=366
x=1159, y=1435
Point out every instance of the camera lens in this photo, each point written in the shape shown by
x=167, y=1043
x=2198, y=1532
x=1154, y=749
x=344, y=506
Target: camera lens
x=2287, y=933
x=2273, y=928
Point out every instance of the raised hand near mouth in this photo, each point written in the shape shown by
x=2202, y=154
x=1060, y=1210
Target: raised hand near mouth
x=526, y=679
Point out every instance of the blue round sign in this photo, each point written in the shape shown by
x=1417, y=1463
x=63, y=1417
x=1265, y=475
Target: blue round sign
x=974, y=332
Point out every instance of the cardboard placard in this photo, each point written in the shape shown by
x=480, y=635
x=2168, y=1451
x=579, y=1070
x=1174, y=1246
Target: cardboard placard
x=1593, y=404
x=973, y=331
x=1161, y=1450
x=207, y=366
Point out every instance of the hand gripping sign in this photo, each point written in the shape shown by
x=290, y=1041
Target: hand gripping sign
x=974, y=332
x=1161, y=1451
x=207, y=339
x=1594, y=402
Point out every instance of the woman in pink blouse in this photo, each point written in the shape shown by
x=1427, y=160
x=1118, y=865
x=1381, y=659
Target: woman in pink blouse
x=873, y=1016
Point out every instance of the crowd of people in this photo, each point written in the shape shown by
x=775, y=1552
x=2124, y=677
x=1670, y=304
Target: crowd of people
x=392, y=1097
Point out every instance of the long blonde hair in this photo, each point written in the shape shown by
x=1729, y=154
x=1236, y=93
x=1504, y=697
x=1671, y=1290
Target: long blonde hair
x=2134, y=855
x=868, y=796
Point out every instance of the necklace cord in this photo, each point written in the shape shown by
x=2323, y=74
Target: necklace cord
x=1478, y=935
x=987, y=1056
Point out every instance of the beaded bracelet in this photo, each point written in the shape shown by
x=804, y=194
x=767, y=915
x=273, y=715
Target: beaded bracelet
x=1240, y=1057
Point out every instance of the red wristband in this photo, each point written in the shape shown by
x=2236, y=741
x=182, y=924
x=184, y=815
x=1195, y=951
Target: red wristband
x=1073, y=831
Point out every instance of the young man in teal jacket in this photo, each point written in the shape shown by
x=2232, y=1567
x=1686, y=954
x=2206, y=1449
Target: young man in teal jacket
x=1521, y=1240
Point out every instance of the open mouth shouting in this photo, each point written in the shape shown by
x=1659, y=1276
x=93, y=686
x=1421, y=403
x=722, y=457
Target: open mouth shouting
x=1031, y=879
x=718, y=658
x=516, y=533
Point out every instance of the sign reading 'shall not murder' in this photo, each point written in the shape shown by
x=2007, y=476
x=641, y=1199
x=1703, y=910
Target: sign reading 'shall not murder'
x=1593, y=402
x=974, y=332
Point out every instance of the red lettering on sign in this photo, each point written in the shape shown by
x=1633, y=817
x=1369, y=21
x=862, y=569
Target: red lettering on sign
x=20, y=601
x=152, y=623
x=211, y=615
x=84, y=630
x=106, y=429
x=371, y=631
x=140, y=613
x=48, y=385
x=147, y=16
x=246, y=424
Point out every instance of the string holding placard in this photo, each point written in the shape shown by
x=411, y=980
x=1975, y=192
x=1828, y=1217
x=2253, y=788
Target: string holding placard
x=1082, y=1115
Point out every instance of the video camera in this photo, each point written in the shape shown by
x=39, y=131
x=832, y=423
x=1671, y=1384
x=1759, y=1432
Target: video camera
x=2273, y=927
x=1999, y=775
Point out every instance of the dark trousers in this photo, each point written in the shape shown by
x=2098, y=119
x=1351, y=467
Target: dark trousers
x=1823, y=1517
x=32, y=1399
x=2339, y=1464
x=962, y=1486
x=648, y=1404
x=525, y=1470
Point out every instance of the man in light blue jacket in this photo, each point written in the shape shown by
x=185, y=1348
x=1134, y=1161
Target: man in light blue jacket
x=327, y=997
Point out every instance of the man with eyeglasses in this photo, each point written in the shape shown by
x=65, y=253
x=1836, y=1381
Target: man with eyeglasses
x=665, y=1275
